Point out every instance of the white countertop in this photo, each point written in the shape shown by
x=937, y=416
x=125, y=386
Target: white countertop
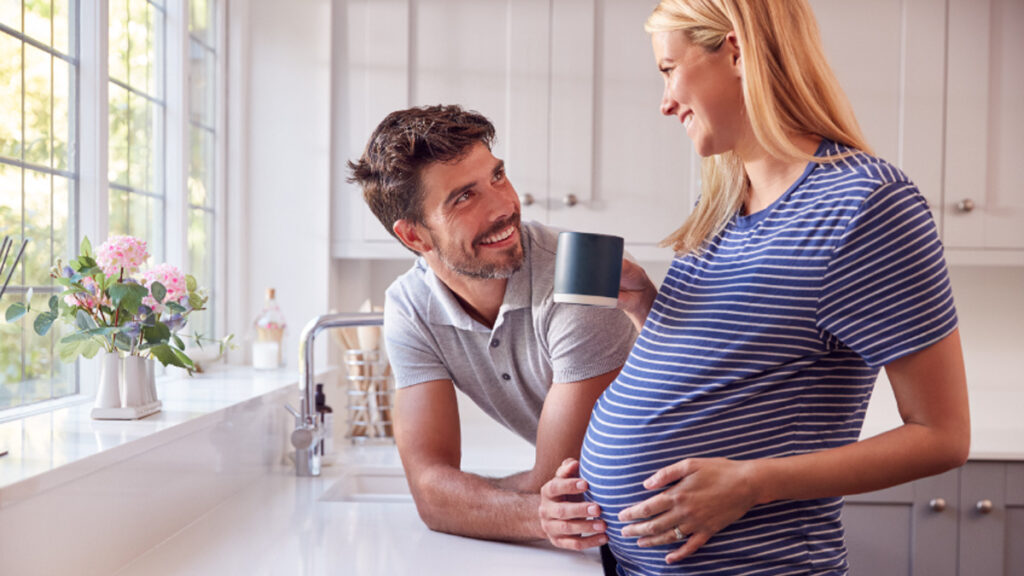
x=280, y=526
x=54, y=447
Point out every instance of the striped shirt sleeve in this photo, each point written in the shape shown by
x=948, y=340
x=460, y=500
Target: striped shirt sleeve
x=886, y=293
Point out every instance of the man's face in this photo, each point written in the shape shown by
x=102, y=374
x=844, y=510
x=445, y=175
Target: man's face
x=471, y=215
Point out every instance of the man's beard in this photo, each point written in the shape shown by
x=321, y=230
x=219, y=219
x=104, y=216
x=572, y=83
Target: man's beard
x=469, y=265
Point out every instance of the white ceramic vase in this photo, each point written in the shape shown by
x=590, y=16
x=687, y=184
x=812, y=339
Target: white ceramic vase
x=151, y=380
x=136, y=384
x=108, y=394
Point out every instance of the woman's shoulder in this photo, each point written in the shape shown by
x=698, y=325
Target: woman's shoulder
x=841, y=162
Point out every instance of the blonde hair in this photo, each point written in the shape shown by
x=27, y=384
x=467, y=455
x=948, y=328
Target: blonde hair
x=788, y=88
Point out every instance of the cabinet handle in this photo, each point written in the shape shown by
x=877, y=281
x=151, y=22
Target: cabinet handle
x=570, y=200
x=526, y=199
x=966, y=205
x=984, y=506
x=937, y=504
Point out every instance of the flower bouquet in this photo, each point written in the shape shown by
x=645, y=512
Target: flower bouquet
x=106, y=307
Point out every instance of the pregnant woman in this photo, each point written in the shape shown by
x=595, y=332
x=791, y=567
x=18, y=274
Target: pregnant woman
x=727, y=441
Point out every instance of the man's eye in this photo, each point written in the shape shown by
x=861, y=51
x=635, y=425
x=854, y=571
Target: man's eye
x=499, y=175
x=463, y=197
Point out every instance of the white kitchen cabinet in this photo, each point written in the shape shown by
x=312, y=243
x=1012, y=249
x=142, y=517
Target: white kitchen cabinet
x=571, y=86
x=887, y=55
x=984, y=204
x=966, y=522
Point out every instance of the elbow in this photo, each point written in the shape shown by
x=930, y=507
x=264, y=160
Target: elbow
x=959, y=451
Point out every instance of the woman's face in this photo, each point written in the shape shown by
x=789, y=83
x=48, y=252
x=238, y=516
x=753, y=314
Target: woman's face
x=704, y=90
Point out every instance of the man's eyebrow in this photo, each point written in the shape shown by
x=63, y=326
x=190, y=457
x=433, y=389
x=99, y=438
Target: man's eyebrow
x=458, y=192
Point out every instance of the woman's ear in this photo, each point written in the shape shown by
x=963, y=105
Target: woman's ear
x=732, y=43
x=409, y=233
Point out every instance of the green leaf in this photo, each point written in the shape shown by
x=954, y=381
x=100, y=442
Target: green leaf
x=159, y=291
x=186, y=362
x=54, y=303
x=75, y=265
x=68, y=351
x=166, y=355
x=196, y=301
x=84, y=321
x=89, y=348
x=15, y=311
x=85, y=248
x=76, y=337
x=122, y=342
x=175, y=308
x=159, y=333
x=177, y=341
x=43, y=322
x=190, y=283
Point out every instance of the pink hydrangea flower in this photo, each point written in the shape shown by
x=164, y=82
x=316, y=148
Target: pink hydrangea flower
x=121, y=253
x=173, y=280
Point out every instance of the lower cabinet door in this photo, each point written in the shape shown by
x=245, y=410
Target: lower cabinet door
x=906, y=530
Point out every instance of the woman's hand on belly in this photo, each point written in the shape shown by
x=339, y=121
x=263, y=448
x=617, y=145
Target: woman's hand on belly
x=566, y=518
x=708, y=494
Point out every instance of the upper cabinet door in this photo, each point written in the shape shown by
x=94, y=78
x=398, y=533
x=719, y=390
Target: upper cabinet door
x=618, y=166
x=984, y=204
x=888, y=56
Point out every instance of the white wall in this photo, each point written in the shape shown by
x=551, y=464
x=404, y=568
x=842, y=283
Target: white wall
x=286, y=167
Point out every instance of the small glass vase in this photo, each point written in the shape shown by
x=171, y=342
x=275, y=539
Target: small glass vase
x=108, y=393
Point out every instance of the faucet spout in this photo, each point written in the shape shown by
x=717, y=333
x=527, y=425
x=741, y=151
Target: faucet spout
x=305, y=438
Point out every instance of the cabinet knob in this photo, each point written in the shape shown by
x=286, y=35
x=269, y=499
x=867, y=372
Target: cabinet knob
x=937, y=504
x=526, y=199
x=983, y=506
x=966, y=205
x=570, y=200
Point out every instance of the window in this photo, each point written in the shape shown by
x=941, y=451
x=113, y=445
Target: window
x=136, y=58
x=38, y=181
x=156, y=91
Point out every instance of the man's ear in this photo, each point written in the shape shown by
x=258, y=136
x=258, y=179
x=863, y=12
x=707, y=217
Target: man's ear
x=411, y=235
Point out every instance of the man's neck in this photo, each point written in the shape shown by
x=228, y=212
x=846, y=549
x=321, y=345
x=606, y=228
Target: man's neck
x=480, y=298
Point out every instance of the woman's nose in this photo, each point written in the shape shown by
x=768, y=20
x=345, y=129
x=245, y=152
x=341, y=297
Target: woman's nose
x=668, y=104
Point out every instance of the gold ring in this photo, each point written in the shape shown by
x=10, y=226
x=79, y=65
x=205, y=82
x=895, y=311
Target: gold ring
x=679, y=534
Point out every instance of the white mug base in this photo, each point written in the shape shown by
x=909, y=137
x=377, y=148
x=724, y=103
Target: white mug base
x=586, y=299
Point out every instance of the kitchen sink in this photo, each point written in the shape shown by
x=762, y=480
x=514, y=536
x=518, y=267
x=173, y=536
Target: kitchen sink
x=369, y=485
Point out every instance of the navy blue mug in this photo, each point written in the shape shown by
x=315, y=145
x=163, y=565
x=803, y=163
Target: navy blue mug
x=588, y=268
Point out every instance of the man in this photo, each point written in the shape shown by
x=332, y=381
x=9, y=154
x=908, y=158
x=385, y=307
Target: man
x=476, y=312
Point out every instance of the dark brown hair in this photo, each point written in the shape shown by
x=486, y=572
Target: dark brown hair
x=402, y=145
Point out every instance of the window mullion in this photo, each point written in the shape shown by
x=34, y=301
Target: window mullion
x=176, y=126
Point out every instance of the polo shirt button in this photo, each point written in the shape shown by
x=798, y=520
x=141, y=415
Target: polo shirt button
x=495, y=343
x=506, y=376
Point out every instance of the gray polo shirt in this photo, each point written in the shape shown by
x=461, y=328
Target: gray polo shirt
x=506, y=370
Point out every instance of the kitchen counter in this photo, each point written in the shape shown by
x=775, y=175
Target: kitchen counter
x=284, y=524
x=202, y=488
x=280, y=526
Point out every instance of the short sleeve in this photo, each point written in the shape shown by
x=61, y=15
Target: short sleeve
x=586, y=341
x=414, y=355
x=886, y=292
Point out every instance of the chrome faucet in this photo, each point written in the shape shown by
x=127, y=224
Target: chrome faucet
x=307, y=434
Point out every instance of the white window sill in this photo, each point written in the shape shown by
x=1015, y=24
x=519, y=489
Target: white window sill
x=64, y=443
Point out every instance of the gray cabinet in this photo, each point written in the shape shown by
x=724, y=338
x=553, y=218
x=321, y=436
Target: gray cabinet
x=966, y=522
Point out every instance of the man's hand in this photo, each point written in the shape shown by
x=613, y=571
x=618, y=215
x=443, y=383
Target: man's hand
x=568, y=521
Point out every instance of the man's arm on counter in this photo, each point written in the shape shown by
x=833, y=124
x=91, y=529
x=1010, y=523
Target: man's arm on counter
x=450, y=500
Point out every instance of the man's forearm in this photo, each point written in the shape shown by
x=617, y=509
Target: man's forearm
x=457, y=502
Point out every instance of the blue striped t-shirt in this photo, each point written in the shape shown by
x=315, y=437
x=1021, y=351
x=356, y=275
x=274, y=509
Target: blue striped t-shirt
x=767, y=344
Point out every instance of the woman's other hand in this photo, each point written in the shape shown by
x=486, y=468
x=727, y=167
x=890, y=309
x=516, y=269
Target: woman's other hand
x=708, y=494
x=636, y=293
x=568, y=520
